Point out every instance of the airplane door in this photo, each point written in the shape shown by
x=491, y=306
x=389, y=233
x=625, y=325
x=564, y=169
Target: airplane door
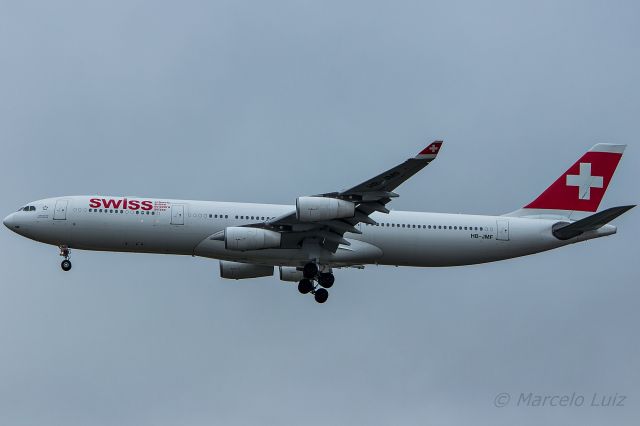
x=503, y=230
x=60, y=212
x=177, y=214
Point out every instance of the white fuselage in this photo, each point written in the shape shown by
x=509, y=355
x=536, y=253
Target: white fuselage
x=185, y=227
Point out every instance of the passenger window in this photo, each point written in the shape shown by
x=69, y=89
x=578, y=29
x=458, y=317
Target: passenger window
x=481, y=228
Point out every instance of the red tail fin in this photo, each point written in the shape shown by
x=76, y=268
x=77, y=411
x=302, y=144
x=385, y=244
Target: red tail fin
x=582, y=187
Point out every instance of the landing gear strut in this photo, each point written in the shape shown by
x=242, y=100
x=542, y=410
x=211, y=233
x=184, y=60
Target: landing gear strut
x=325, y=280
x=66, y=263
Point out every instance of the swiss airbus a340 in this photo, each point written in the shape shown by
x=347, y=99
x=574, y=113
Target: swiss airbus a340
x=349, y=228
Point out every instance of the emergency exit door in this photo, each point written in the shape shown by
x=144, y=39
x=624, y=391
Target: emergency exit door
x=503, y=230
x=177, y=214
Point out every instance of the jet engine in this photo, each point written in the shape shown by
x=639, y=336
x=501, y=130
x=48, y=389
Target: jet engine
x=289, y=273
x=242, y=239
x=238, y=271
x=311, y=209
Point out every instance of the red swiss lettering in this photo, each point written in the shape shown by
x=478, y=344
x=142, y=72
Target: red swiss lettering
x=111, y=203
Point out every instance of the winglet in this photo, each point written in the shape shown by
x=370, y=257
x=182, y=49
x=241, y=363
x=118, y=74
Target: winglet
x=430, y=152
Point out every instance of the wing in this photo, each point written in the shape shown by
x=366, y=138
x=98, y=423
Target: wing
x=370, y=196
x=391, y=179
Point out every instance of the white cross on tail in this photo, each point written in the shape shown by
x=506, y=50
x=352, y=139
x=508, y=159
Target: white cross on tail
x=584, y=181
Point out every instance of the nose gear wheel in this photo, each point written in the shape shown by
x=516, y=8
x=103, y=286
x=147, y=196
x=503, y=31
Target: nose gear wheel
x=66, y=263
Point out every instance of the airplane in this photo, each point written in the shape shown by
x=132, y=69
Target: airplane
x=320, y=233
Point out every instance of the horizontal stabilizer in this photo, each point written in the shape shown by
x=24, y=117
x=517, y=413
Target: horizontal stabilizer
x=590, y=223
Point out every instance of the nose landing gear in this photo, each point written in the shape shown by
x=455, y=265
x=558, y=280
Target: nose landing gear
x=66, y=263
x=307, y=284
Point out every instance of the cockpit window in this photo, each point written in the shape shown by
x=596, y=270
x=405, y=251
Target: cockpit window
x=28, y=209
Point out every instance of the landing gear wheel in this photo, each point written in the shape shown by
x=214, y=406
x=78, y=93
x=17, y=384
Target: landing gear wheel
x=310, y=270
x=321, y=295
x=66, y=265
x=305, y=286
x=326, y=279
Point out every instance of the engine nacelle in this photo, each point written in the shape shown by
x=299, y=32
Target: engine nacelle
x=242, y=239
x=289, y=273
x=311, y=209
x=239, y=271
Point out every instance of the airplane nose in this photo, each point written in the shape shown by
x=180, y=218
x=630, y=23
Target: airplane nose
x=9, y=221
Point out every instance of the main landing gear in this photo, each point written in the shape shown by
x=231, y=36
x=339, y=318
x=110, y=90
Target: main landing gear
x=325, y=280
x=66, y=263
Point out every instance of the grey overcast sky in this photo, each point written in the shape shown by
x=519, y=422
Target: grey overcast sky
x=265, y=101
